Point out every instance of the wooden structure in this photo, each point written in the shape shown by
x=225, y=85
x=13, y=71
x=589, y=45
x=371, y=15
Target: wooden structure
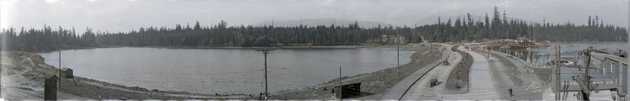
x=607, y=72
x=348, y=91
x=67, y=73
x=50, y=88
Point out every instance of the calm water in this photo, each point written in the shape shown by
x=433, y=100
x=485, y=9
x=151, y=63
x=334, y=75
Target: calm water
x=222, y=70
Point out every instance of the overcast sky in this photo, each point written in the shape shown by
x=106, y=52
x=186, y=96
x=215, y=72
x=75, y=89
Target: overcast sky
x=123, y=15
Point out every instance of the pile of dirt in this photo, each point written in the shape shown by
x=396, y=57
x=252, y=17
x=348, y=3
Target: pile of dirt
x=23, y=75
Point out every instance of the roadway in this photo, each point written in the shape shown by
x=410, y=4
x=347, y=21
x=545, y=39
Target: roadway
x=422, y=90
x=482, y=85
x=491, y=77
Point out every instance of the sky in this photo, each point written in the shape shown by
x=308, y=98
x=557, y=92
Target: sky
x=125, y=15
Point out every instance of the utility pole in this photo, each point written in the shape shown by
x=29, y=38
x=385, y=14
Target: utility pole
x=621, y=76
x=266, y=93
x=588, y=74
x=586, y=91
x=624, y=81
x=266, y=51
x=584, y=80
x=397, y=71
x=59, y=77
x=340, y=84
x=625, y=68
x=398, y=50
x=557, y=72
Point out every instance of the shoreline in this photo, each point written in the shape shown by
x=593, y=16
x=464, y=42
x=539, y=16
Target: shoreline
x=95, y=89
x=374, y=84
x=406, y=45
x=28, y=72
x=212, y=47
x=87, y=88
x=361, y=45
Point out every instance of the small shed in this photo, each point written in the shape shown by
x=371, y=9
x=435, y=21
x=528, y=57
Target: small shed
x=348, y=91
x=67, y=73
x=50, y=88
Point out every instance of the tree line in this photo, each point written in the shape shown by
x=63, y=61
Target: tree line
x=466, y=28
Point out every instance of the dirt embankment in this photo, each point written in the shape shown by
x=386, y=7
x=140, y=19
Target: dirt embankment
x=20, y=80
x=458, y=80
x=33, y=71
x=373, y=84
x=93, y=89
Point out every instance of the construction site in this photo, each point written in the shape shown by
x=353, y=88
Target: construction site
x=576, y=73
x=399, y=50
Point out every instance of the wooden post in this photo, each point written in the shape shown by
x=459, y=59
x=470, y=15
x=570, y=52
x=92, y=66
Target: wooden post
x=624, y=80
x=50, y=88
x=266, y=52
x=340, y=85
x=586, y=91
x=265, y=94
x=556, y=71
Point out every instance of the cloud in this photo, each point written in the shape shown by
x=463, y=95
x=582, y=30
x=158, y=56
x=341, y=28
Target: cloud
x=6, y=7
x=51, y=1
x=123, y=15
